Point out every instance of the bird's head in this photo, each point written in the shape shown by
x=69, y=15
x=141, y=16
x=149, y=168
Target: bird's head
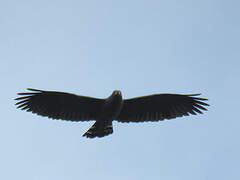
x=115, y=96
x=117, y=93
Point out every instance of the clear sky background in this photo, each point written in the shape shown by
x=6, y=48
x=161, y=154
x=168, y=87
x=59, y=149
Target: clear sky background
x=140, y=47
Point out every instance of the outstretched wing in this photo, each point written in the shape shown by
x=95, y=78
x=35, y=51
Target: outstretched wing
x=60, y=105
x=160, y=106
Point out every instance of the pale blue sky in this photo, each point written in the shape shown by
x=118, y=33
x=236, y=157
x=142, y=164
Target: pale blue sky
x=140, y=47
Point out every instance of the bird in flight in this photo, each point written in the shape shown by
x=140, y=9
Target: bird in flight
x=71, y=107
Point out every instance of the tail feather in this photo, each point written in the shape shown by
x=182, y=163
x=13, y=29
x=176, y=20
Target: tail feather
x=99, y=129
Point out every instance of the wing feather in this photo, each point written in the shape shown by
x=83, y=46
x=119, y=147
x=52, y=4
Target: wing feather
x=60, y=105
x=161, y=106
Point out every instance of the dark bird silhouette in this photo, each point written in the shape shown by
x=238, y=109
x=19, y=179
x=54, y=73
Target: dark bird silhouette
x=71, y=107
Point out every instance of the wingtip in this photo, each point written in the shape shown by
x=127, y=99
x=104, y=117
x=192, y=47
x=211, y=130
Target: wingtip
x=32, y=89
x=198, y=98
x=36, y=91
x=197, y=94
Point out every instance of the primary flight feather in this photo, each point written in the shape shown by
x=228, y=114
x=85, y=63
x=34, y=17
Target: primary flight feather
x=71, y=107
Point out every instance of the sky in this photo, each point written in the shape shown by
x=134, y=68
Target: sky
x=139, y=47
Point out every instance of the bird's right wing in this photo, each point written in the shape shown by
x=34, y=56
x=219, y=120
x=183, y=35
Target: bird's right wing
x=160, y=106
x=60, y=105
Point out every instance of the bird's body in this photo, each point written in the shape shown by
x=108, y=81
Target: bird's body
x=112, y=106
x=109, y=112
x=71, y=107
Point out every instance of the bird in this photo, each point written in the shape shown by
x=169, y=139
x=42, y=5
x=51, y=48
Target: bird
x=70, y=107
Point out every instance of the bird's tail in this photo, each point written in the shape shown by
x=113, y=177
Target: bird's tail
x=99, y=129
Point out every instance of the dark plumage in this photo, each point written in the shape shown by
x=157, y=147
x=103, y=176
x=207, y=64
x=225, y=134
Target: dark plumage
x=71, y=107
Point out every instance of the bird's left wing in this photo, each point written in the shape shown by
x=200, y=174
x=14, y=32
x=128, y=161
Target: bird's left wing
x=60, y=105
x=160, y=106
